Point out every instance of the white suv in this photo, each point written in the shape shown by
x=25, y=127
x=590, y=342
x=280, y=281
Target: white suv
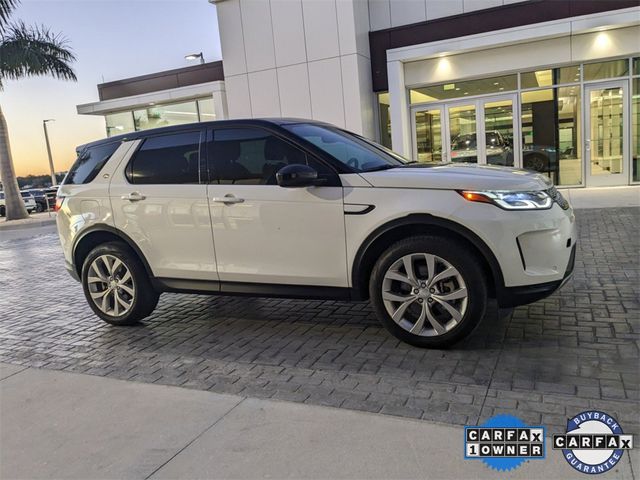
x=295, y=208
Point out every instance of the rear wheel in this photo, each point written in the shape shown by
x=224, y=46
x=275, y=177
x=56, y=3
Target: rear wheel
x=116, y=285
x=428, y=291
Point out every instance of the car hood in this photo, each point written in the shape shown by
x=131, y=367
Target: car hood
x=451, y=176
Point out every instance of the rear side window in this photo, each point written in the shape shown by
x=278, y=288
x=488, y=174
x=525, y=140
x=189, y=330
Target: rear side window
x=89, y=163
x=167, y=159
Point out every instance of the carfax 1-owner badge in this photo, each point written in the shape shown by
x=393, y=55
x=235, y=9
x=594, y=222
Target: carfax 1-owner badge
x=594, y=442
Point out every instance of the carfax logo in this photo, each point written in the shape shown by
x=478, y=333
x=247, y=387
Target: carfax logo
x=594, y=442
x=504, y=442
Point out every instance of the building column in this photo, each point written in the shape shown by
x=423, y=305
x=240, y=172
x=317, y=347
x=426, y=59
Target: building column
x=399, y=109
x=220, y=104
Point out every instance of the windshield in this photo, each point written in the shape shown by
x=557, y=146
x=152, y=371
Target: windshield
x=356, y=152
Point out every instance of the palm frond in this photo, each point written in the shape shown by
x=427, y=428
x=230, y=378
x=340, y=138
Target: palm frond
x=27, y=51
x=6, y=7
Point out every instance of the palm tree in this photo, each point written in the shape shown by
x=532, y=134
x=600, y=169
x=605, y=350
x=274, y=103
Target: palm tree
x=25, y=51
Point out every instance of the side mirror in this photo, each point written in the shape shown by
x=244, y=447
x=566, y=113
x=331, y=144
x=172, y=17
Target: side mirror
x=297, y=175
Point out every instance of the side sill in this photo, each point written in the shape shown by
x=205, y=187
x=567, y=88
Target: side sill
x=178, y=285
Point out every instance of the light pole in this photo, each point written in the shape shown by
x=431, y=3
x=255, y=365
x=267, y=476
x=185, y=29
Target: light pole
x=193, y=56
x=46, y=138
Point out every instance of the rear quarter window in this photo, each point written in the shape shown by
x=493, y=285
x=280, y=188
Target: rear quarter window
x=89, y=163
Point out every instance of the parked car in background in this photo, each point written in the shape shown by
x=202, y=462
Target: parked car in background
x=29, y=203
x=464, y=149
x=41, y=199
x=51, y=193
x=298, y=208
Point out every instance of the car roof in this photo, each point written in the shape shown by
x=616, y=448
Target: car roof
x=190, y=126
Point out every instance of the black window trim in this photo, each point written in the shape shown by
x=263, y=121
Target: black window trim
x=333, y=179
x=128, y=170
x=80, y=151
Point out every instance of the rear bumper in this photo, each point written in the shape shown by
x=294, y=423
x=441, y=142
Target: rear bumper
x=515, y=296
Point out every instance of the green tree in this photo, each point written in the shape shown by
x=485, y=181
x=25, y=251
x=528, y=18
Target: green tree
x=25, y=51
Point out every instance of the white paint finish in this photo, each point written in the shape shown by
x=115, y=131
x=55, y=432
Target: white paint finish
x=220, y=109
x=399, y=109
x=231, y=37
x=404, y=12
x=288, y=32
x=265, y=99
x=610, y=43
x=280, y=235
x=160, y=223
x=488, y=62
x=258, y=34
x=325, y=81
x=238, y=97
x=443, y=8
x=471, y=5
x=66, y=425
x=163, y=96
x=358, y=105
x=353, y=27
x=321, y=29
x=295, y=98
x=379, y=14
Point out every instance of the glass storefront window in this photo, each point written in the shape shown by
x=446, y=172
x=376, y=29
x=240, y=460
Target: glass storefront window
x=636, y=66
x=606, y=127
x=384, y=119
x=611, y=69
x=549, y=77
x=498, y=126
x=119, y=123
x=205, y=109
x=635, y=128
x=550, y=133
x=429, y=135
x=465, y=88
x=462, y=129
x=165, y=115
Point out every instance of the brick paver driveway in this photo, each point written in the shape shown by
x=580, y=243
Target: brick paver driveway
x=544, y=362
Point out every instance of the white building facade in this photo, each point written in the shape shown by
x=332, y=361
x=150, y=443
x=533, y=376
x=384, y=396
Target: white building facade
x=549, y=85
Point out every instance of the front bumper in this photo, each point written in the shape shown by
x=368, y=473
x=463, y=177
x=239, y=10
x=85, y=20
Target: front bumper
x=514, y=296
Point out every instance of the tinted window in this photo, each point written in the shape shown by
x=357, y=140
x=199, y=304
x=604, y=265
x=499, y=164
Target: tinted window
x=89, y=163
x=252, y=156
x=356, y=152
x=167, y=159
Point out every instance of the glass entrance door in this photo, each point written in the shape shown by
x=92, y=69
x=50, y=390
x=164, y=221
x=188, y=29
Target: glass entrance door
x=606, y=138
x=475, y=131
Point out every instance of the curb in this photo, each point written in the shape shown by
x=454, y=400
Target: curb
x=21, y=226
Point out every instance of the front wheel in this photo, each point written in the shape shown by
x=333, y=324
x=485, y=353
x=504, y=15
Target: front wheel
x=116, y=284
x=428, y=291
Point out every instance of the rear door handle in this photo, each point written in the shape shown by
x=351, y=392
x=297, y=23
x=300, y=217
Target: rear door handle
x=133, y=197
x=227, y=199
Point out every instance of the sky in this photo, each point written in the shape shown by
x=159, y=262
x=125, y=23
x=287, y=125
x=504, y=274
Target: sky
x=112, y=39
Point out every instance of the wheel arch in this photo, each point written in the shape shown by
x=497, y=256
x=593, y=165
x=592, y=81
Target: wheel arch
x=97, y=235
x=415, y=224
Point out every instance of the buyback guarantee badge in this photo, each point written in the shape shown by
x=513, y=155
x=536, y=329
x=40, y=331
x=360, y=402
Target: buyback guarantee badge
x=594, y=442
x=504, y=442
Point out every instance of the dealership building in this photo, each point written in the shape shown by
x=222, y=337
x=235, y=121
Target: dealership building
x=550, y=85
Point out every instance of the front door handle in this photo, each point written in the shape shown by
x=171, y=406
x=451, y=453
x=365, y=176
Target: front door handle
x=228, y=199
x=133, y=197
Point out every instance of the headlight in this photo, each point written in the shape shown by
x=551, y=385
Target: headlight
x=511, y=200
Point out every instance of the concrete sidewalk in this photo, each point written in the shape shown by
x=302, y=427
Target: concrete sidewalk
x=63, y=425
x=603, y=197
x=34, y=220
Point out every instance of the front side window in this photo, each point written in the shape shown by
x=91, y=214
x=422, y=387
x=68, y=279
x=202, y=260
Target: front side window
x=354, y=151
x=253, y=156
x=167, y=159
x=89, y=163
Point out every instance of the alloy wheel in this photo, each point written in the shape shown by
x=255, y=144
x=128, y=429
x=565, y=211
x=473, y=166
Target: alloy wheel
x=111, y=285
x=424, y=294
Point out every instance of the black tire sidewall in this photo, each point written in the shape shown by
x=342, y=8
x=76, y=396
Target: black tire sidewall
x=146, y=297
x=458, y=255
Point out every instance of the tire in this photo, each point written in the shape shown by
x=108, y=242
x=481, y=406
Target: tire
x=2, y=212
x=110, y=262
x=39, y=208
x=536, y=162
x=414, y=300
